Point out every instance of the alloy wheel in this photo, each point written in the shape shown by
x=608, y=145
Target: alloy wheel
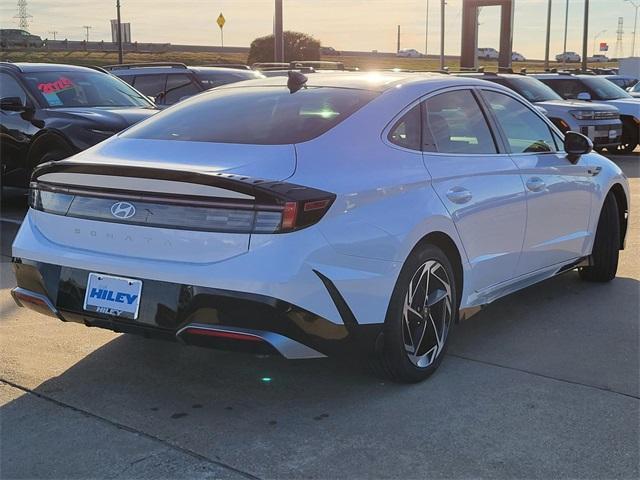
x=427, y=314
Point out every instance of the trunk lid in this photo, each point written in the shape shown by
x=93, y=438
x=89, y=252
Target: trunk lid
x=177, y=201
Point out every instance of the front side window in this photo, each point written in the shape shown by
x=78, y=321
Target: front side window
x=9, y=87
x=407, y=131
x=525, y=131
x=254, y=115
x=568, y=88
x=454, y=123
x=83, y=89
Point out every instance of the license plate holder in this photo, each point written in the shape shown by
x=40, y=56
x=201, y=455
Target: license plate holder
x=114, y=296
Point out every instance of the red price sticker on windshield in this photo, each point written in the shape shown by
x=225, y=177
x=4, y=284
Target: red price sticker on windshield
x=63, y=83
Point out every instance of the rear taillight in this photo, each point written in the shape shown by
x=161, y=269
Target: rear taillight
x=265, y=213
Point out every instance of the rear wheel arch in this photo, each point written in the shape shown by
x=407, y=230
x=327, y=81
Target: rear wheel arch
x=449, y=247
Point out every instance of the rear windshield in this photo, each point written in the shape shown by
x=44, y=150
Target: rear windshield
x=84, y=89
x=254, y=115
x=215, y=78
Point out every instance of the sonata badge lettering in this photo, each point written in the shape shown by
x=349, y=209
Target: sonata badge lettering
x=123, y=210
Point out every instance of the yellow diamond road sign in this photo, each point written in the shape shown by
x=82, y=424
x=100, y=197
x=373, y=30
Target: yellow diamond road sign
x=221, y=21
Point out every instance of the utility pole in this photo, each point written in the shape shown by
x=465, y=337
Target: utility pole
x=595, y=37
x=23, y=16
x=54, y=33
x=426, y=32
x=546, y=47
x=635, y=26
x=442, y=5
x=278, y=34
x=119, y=37
x=566, y=25
x=585, y=35
x=398, y=44
x=87, y=28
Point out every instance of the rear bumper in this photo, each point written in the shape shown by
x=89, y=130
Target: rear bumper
x=196, y=315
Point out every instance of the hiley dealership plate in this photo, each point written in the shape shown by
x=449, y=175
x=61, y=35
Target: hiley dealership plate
x=115, y=296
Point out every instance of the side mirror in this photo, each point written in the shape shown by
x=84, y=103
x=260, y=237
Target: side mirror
x=576, y=144
x=12, y=104
x=586, y=96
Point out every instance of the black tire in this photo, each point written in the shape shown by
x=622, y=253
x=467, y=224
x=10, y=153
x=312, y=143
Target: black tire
x=629, y=139
x=395, y=362
x=606, y=246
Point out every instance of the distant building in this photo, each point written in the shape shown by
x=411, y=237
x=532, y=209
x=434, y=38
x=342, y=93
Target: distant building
x=125, y=29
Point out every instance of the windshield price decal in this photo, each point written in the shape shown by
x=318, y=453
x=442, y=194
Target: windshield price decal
x=63, y=83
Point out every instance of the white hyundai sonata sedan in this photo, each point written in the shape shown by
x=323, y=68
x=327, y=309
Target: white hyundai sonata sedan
x=343, y=213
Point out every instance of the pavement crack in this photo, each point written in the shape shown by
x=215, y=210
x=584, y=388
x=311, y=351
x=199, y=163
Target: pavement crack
x=127, y=428
x=549, y=377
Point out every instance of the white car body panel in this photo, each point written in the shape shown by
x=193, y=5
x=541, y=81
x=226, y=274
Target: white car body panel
x=387, y=199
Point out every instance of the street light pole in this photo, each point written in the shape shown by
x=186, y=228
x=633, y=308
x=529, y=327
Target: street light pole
x=585, y=35
x=566, y=25
x=546, y=48
x=442, y=4
x=426, y=31
x=278, y=35
x=119, y=37
x=635, y=26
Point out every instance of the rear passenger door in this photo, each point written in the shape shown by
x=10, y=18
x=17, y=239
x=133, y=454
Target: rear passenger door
x=478, y=183
x=559, y=193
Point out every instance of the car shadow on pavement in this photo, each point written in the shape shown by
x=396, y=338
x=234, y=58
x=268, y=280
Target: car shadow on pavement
x=329, y=418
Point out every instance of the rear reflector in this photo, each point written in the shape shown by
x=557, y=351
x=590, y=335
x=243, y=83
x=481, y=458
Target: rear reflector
x=34, y=301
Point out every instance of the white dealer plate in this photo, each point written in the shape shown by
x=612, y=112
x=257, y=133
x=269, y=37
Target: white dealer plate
x=115, y=296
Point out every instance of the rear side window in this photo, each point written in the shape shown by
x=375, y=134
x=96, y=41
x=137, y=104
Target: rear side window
x=254, y=115
x=150, y=85
x=407, y=131
x=525, y=131
x=178, y=87
x=454, y=123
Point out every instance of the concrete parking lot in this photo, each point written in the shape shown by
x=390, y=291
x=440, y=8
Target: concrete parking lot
x=542, y=384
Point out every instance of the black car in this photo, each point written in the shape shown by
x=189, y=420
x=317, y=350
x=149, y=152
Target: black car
x=168, y=83
x=50, y=112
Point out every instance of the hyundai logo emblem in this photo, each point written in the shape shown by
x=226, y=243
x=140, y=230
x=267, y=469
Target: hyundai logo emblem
x=123, y=210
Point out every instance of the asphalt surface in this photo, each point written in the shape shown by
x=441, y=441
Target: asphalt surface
x=542, y=384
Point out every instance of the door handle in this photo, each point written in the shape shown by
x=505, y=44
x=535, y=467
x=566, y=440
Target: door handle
x=536, y=184
x=459, y=195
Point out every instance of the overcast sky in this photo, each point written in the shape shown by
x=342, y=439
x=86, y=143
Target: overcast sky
x=343, y=24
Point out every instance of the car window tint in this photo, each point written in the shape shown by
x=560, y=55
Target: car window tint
x=407, y=131
x=211, y=79
x=567, y=88
x=9, y=87
x=454, y=123
x=127, y=78
x=178, y=87
x=526, y=132
x=74, y=88
x=254, y=115
x=150, y=85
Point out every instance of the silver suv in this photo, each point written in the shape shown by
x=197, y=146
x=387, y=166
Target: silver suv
x=600, y=122
x=599, y=89
x=168, y=83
